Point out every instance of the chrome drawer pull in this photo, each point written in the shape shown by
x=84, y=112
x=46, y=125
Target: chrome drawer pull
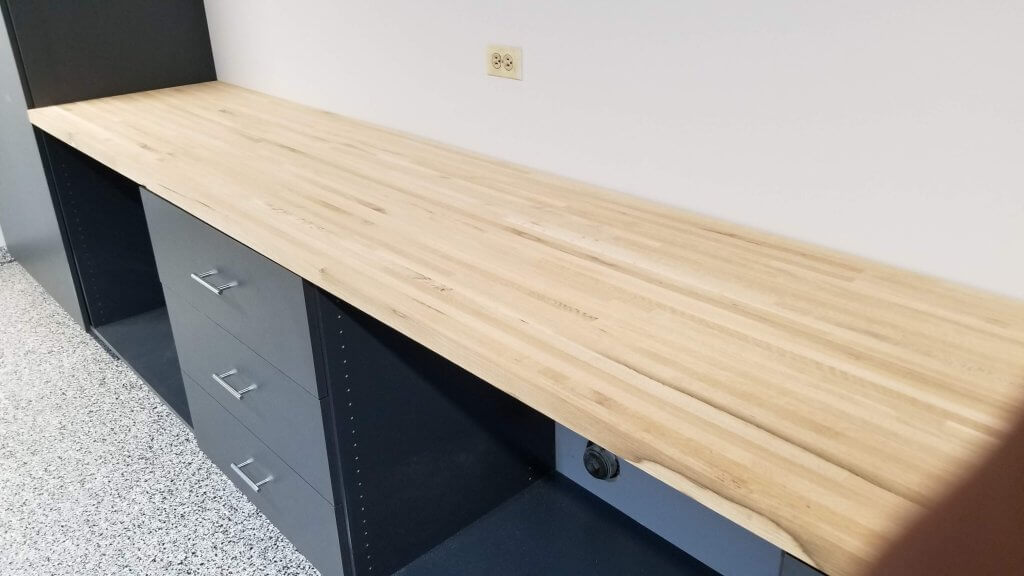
x=254, y=485
x=218, y=290
x=219, y=379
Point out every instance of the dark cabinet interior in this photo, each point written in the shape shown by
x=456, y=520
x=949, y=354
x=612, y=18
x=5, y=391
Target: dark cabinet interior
x=112, y=257
x=439, y=473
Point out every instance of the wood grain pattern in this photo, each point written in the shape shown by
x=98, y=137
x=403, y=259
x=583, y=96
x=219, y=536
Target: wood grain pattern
x=818, y=399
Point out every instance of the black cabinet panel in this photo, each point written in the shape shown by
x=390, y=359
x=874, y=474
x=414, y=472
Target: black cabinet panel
x=56, y=51
x=80, y=49
x=30, y=226
x=107, y=236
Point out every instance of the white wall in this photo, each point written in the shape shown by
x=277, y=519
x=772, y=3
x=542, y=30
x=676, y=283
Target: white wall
x=2, y=242
x=894, y=130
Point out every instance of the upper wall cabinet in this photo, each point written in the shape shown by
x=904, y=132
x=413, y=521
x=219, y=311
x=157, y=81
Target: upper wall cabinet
x=80, y=49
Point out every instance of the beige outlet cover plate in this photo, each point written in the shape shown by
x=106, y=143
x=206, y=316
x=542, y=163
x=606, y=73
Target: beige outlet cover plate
x=505, y=61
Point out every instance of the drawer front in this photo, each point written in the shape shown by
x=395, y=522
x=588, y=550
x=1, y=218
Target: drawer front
x=273, y=407
x=264, y=308
x=304, y=517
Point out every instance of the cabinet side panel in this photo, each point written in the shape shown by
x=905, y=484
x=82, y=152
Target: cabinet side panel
x=27, y=215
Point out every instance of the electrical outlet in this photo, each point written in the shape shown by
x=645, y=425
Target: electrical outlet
x=505, y=62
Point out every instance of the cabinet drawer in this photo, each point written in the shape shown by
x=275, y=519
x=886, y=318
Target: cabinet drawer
x=262, y=304
x=301, y=514
x=273, y=407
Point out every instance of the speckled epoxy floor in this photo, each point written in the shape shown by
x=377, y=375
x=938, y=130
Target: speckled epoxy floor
x=97, y=476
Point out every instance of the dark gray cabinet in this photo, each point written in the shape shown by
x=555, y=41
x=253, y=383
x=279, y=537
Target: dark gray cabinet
x=260, y=303
x=76, y=226
x=27, y=216
x=278, y=491
x=282, y=413
x=57, y=51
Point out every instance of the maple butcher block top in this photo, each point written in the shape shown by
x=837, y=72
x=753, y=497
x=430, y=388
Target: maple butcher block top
x=818, y=399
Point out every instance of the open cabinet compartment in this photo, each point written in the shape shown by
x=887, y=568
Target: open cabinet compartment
x=108, y=238
x=438, y=473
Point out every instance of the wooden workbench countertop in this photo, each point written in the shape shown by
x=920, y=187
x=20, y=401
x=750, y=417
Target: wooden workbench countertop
x=818, y=399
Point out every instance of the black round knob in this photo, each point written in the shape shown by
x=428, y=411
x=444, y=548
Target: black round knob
x=600, y=463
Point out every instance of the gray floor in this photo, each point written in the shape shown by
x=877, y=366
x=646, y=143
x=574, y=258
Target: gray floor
x=97, y=476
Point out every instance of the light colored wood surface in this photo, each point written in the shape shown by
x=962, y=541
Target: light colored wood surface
x=818, y=399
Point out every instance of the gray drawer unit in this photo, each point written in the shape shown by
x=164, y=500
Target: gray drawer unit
x=257, y=301
x=722, y=545
x=272, y=406
x=301, y=514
